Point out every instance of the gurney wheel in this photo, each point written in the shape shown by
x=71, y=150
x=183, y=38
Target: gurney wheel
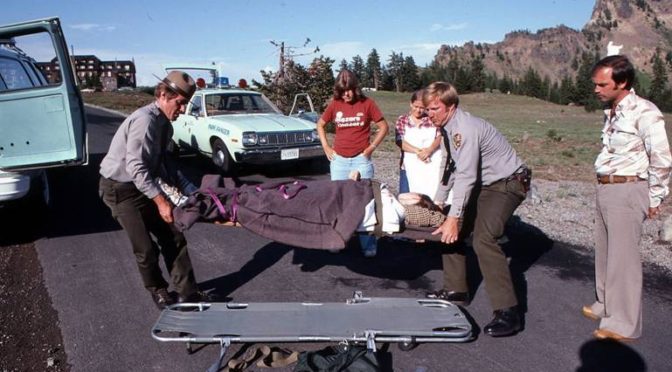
x=407, y=346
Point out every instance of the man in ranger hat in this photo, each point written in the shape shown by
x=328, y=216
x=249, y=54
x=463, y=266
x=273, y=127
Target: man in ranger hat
x=131, y=173
x=488, y=181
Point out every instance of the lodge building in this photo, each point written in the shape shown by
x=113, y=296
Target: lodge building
x=90, y=70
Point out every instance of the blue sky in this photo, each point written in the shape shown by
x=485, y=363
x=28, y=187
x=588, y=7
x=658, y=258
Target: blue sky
x=237, y=34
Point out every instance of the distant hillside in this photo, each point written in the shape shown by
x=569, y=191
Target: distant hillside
x=641, y=26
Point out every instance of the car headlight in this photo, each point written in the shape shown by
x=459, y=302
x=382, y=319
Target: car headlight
x=250, y=138
x=314, y=136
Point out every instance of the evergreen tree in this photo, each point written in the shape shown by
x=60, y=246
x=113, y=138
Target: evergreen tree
x=477, y=79
x=554, y=93
x=395, y=69
x=505, y=85
x=386, y=79
x=567, y=93
x=358, y=68
x=451, y=71
x=343, y=65
x=411, y=79
x=584, y=88
x=321, y=85
x=462, y=81
x=531, y=85
x=373, y=71
x=659, y=82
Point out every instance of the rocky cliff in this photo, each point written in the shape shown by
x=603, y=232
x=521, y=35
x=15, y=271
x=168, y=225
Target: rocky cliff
x=641, y=26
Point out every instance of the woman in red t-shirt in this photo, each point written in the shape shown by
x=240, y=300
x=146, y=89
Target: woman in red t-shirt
x=352, y=113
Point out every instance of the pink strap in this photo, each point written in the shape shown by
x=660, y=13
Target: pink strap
x=218, y=203
x=283, y=189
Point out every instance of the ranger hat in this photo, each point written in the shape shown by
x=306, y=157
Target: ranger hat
x=180, y=83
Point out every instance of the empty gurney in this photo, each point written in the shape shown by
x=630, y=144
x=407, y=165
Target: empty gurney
x=406, y=321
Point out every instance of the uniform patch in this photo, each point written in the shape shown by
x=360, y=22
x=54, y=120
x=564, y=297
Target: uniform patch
x=457, y=140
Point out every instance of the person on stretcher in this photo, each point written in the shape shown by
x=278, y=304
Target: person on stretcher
x=320, y=214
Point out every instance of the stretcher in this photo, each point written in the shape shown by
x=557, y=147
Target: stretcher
x=406, y=321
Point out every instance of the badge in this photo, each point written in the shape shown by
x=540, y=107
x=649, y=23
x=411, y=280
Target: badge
x=457, y=140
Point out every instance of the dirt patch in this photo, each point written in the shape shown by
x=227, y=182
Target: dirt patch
x=30, y=339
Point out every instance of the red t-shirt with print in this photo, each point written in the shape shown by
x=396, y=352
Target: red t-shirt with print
x=353, y=124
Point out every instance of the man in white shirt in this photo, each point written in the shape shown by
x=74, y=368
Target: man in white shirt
x=633, y=173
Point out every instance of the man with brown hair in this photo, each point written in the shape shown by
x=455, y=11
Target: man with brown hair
x=488, y=181
x=633, y=173
x=129, y=185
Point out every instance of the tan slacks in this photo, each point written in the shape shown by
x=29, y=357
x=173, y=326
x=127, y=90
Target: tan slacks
x=620, y=212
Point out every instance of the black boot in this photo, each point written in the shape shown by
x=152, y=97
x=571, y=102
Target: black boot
x=505, y=323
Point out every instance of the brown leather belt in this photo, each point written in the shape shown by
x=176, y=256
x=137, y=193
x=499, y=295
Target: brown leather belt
x=610, y=178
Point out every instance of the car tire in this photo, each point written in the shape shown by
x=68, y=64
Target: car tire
x=319, y=165
x=39, y=196
x=221, y=157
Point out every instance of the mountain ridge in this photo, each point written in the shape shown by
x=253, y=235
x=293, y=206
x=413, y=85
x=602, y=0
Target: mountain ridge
x=643, y=27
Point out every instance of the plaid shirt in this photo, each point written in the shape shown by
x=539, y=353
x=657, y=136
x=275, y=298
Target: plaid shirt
x=404, y=121
x=635, y=144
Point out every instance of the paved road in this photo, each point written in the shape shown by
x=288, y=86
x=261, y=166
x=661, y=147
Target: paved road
x=106, y=315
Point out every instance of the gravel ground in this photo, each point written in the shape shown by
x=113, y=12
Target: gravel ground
x=564, y=211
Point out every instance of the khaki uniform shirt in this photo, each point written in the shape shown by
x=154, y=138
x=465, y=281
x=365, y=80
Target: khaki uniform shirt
x=137, y=150
x=635, y=144
x=482, y=155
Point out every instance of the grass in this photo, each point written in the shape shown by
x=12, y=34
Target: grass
x=557, y=142
x=125, y=102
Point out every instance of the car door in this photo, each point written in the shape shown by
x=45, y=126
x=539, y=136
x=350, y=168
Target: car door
x=183, y=127
x=42, y=119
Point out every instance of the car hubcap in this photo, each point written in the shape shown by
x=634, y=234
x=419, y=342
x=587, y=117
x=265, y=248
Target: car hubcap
x=219, y=158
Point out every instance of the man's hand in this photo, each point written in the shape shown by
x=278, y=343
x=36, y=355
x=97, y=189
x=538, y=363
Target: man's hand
x=448, y=230
x=165, y=208
x=653, y=212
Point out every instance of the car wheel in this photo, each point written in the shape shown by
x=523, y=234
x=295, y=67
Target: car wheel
x=39, y=196
x=221, y=157
x=319, y=165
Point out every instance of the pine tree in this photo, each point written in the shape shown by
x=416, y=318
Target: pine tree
x=411, y=79
x=659, y=81
x=477, y=78
x=357, y=67
x=567, y=92
x=343, y=65
x=505, y=85
x=463, y=80
x=395, y=69
x=373, y=69
x=321, y=86
x=584, y=83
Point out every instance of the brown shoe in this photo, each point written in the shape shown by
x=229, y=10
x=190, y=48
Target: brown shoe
x=605, y=334
x=588, y=313
x=161, y=297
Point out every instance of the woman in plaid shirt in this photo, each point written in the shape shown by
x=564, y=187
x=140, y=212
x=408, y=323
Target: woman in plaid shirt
x=418, y=140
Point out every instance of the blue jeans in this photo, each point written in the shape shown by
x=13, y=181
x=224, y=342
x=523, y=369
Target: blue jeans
x=403, y=182
x=340, y=168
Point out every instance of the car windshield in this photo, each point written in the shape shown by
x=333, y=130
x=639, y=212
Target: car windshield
x=237, y=103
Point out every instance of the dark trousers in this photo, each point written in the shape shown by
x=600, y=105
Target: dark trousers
x=487, y=214
x=139, y=217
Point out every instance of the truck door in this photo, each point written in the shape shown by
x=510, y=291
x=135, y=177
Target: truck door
x=42, y=119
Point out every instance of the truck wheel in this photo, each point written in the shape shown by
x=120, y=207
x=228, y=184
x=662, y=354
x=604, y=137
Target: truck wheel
x=221, y=157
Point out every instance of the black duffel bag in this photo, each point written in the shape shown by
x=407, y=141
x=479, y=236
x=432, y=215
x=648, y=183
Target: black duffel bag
x=346, y=358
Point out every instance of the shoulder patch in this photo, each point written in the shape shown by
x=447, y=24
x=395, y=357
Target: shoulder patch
x=457, y=140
